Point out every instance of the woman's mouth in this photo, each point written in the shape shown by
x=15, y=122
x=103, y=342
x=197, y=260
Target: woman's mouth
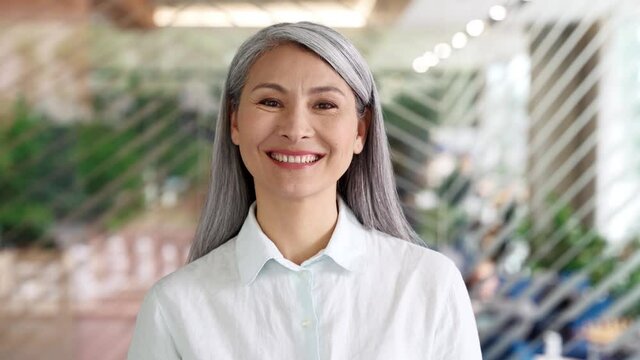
x=294, y=159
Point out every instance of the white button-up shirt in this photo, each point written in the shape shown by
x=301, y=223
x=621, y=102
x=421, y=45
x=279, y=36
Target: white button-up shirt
x=367, y=296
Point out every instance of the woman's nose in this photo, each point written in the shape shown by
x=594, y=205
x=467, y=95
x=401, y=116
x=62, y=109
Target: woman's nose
x=295, y=124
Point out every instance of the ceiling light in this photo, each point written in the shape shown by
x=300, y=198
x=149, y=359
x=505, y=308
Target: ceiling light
x=459, y=40
x=288, y=12
x=245, y=14
x=475, y=27
x=420, y=65
x=192, y=16
x=431, y=59
x=334, y=14
x=442, y=50
x=498, y=12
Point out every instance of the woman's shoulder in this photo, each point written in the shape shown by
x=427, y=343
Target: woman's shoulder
x=214, y=268
x=411, y=256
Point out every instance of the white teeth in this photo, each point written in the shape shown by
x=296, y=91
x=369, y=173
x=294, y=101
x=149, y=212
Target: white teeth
x=294, y=159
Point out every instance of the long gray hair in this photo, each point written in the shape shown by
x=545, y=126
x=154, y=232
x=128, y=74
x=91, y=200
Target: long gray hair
x=368, y=185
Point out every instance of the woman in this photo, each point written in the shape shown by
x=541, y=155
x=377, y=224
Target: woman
x=302, y=251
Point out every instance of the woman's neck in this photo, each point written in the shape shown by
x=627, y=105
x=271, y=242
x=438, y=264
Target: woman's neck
x=299, y=228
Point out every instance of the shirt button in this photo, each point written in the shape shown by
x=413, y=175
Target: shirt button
x=306, y=323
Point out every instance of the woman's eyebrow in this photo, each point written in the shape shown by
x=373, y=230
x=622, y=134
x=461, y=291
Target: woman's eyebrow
x=321, y=89
x=314, y=90
x=273, y=86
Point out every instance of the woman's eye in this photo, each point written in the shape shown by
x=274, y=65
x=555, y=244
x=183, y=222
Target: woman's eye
x=270, y=103
x=325, y=106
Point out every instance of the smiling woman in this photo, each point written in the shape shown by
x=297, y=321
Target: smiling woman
x=302, y=251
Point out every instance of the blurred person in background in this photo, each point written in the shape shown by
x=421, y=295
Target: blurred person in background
x=302, y=250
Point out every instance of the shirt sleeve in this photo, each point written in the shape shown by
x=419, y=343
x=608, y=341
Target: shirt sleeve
x=457, y=337
x=151, y=337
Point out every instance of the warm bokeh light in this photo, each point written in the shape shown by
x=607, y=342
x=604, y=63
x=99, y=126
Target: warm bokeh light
x=249, y=15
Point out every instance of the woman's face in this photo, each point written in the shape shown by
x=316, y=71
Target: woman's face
x=296, y=124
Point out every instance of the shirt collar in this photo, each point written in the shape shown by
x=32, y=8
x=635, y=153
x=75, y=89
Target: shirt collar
x=254, y=248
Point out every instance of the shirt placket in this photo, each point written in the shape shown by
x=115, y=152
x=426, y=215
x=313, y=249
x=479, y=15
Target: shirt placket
x=308, y=321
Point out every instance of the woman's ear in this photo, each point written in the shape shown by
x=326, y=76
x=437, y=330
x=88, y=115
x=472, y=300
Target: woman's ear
x=235, y=134
x=364, y=122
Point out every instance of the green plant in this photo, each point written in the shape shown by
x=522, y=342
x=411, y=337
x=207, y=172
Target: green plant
x=29, y=217
x=567, y=231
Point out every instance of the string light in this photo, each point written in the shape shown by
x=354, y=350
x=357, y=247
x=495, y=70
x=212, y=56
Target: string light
x=498, y=12
x=420, y=65
x=431, y=58
x=442, y=50
x=475, y=27
x=459, y=40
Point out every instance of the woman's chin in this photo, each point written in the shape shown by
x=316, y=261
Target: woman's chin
x=298, y=192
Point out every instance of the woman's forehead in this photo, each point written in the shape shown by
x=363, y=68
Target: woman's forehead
x=289, y=64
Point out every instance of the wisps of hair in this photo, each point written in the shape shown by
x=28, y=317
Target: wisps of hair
x=368, y=186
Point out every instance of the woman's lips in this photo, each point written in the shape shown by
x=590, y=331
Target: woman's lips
x=294, y=152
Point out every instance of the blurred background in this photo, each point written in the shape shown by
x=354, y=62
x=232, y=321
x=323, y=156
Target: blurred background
x=515, y=134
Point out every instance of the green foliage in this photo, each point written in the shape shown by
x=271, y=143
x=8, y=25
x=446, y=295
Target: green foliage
x=89, y=171
x=594, y=251
x=567, y=231
x=100, y=162
x=423, y=116
x=630, y=282
x=23, y=217
x=443, y=224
